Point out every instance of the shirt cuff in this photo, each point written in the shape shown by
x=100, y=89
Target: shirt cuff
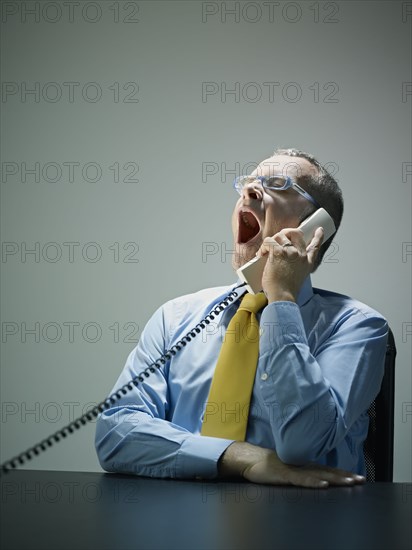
x=281, y=324
x=198, y=456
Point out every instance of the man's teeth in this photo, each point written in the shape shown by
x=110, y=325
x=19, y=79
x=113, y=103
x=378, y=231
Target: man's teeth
x=246, y=221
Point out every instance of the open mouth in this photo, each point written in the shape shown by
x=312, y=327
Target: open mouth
x=249, y=226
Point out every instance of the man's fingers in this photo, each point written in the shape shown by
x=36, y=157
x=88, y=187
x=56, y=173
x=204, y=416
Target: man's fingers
x=317, y=476
x=265, y=247
x=293, y=238
x=338, y=476
x=304, y=478
x=334, y=476
x=279, y=245
x=312, y=250
x=338, y=471
x=317, y=239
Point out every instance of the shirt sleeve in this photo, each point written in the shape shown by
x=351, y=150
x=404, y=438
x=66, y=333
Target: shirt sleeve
x=315, y=398
x=133, y=436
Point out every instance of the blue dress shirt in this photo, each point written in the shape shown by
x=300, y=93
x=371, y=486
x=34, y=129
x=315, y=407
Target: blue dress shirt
x=321, y=363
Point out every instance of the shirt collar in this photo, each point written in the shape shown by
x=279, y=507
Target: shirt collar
x=305, y=292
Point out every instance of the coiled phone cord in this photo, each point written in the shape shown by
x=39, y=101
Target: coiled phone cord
x=92, y=413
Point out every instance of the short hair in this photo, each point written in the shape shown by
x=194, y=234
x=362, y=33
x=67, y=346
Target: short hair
x=324, y=188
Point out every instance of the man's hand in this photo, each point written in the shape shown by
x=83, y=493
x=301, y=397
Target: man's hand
x=260, y=465
x=289, y=262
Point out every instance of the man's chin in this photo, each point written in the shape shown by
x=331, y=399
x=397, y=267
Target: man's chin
x=243, y=253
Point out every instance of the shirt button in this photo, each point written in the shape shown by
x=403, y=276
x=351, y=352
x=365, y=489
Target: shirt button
x=264, y=376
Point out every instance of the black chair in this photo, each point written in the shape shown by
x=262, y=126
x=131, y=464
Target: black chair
x=378, y=446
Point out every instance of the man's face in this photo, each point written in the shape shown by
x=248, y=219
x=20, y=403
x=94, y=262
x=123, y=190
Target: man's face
x=259, y=213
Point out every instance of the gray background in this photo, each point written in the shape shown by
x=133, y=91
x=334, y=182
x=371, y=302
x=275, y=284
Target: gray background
x=341, y=71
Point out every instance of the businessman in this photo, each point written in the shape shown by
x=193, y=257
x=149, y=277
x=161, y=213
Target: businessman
x=281, y=398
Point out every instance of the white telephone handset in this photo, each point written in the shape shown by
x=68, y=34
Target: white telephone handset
x=251, y=273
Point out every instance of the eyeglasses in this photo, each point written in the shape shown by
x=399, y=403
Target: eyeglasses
x=274, y=183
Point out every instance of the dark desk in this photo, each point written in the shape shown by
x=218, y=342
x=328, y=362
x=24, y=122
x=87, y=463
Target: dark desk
x=74, y=510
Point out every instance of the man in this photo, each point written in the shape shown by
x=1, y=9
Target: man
x=320, y=359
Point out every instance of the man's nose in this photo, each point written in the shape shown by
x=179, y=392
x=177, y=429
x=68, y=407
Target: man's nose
x=253, y=190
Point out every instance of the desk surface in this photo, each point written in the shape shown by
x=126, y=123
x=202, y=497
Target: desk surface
x=75, y=510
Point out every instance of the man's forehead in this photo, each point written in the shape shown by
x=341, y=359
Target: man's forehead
x=285, y=165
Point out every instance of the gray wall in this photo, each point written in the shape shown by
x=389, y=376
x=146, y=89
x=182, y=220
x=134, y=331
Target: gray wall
x=135, y=138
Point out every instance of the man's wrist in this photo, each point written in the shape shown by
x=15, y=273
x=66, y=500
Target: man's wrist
x=280, y=296
x=238, y=457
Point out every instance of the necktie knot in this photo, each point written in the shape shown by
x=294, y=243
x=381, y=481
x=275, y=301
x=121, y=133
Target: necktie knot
x=253, y=302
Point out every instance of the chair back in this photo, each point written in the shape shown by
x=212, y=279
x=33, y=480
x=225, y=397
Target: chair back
x=378, y=446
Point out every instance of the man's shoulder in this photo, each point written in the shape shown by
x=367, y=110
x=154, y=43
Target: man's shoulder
x=331, y=299
x=202, y=296
x=198, y=302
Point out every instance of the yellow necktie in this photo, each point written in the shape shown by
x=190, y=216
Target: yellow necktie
x=227, y=408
